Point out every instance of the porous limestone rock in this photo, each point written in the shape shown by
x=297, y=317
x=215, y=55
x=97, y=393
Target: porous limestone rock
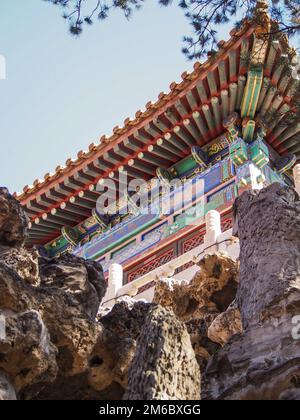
x=225, y=325
x=203, y=346
x=212, y=289
x=264, y=361
x=13, y=220
x=81, y=279
x=261, y=364
x=68, y=319
x=108, y=359
x=23, y=261
x=53, y=345
x=48, y=309
x=126, y=317
x=27, y=355
x=268, y=224
x=77, y=387
x=113, y=353
x=164, y=366
x=7, y=392
x=200, y=301
x=53, y=339
x=215, y=284
x=292, y=394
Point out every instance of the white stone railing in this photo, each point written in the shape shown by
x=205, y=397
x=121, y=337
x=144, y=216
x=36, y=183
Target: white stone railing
x=296, y=172
x=214, y=241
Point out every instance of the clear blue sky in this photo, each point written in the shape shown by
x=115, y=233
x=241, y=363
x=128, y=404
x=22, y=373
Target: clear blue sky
x=62, y=93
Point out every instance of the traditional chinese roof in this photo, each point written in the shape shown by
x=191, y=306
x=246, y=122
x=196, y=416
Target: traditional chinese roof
x=191, y=113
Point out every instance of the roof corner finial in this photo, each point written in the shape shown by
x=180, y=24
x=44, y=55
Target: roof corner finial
x=262, y=4
x=262, y=18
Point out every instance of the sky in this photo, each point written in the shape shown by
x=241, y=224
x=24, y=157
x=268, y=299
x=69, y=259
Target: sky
x=62, y=93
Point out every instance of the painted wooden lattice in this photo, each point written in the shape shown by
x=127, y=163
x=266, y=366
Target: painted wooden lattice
x=226, y=224
x=151, y=265
x=146, y=287
x=185, y=267
x=188, y=245
x=192, y=242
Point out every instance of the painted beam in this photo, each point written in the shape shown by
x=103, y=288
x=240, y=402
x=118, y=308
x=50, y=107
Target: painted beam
x=156, y=133
x=223, y=75
x=192, y=129
x=232, y=65
x=184, y=136
x=201, y=124
x=268, y=99
x=224, y=103
x=233, y=89
x=202, y=92
x=241, y=87
x=252, y=92
x=212, y=84
x=183, y=112
x=59, y=215
x=172, y=139
x=208, y=117
x=71, y=208
x=274, y=48
x=36, y=207
x=153, y=160
x=158, y=151
x=216, y=110
x=172, y=116
x=191, y=100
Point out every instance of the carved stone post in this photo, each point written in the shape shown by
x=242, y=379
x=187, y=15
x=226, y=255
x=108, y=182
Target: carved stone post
x=115, y=282
x=213, y=228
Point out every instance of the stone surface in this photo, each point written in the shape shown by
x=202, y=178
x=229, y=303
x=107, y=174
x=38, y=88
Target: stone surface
x=48, y=309
x=164, y=366
x=212, y=289
x=290, y=395
x=13, y=221
x=264, y=361
x=112, y=355
x=240, y=329
x=200, y=301
x=203, y=346
x=268, y=224
x=77, y=387
x=24, y=262
x=65, y=314
x=105, y=374
x=81, y=279
x=225, y=325
x=27, y=355
x=7, y=392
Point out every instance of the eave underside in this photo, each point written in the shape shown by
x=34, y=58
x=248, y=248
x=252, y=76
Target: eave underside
x=194, y=116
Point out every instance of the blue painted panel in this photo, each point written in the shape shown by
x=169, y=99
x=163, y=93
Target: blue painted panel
x=118, y=234
x=202, y=183
x=272, y=176
x=133, y=249
x=213, y=178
